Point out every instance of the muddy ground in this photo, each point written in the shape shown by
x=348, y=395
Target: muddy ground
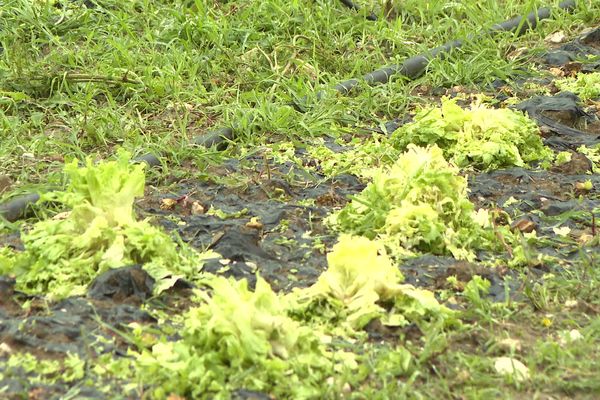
x=288, y=246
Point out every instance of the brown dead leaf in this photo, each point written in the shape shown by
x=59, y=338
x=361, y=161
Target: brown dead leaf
x=37, y=394
x=55, y=158
x=167, y=204
x=517, y=53
x=571, y=69
x=5, y=183
x=557, y=72
x=197, y=208
x=578, y=165
x=254, y=223
x=524, y=225
x=556, y=37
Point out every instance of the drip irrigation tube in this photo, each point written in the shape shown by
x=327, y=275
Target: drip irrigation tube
x=351, y=5
x=413, y=67
x=217, y=137
x=15, y=209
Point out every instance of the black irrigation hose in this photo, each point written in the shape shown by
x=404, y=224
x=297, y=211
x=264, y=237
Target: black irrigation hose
x=413, y=67
x=15, y=209
x=351, y=5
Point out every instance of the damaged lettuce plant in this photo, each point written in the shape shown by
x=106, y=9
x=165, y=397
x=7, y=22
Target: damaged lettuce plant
x=237, y=338
x=481, y=137
x=361, y=284
x=586, y=86
x=70, y=369
x=417, y=205
x=64, y=254
x=282, y=344
x=358, y=158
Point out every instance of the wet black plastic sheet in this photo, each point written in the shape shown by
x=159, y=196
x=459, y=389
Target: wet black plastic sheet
x=561, y=114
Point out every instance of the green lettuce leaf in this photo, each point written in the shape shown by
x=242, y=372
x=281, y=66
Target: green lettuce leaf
x=62, y=256
x=237, y=338
x=360, y=284
x=419, y=204
x=481, y=137
x=586, y=86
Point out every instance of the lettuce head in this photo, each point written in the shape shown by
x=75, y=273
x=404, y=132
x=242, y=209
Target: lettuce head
x=482, y=137
x=362, y=283
x=419, y=204
x=237, y=338
x=62, y=256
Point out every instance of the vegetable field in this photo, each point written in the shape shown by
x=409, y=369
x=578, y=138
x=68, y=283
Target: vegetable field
x=299, y=199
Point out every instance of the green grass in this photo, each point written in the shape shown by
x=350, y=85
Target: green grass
x=149, y=75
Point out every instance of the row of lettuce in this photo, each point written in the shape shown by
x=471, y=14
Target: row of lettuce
x=291, y=345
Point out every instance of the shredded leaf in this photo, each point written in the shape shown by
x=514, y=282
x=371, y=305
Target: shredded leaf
x=62, y=256
x=361, y=283
x=586, y=86
x=482, y=137
x=237, y=338
x=419, y=204
x=359, y=158
x=274, y=343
